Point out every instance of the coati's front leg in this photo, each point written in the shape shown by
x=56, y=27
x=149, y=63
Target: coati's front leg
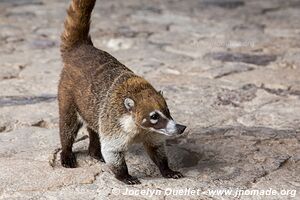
x=68, y=129
x=94, y=146
x=158, y=155
x=117, y=164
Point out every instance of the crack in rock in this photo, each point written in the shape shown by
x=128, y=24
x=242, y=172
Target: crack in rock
x=235, y=71
x=248, y=93
x=42, y=124
x=25, y=100
x=15, y=3
x=236, y=97
x=285, y=5
x=226, y=4
x=28, y=15
x=258, y=133
x=267, y=10
x=260, y=176
x=266, y=173
x=280, y=92
x=261, y=60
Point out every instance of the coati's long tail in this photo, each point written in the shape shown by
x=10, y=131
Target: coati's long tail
x=77, y=24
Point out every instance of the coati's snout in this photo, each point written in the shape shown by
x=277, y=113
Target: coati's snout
x=160, y=123
x=180, y=128
x=153, y=115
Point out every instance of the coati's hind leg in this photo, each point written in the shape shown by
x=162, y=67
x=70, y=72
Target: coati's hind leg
x=94, y=146
x=68, y=129
x=157, y=153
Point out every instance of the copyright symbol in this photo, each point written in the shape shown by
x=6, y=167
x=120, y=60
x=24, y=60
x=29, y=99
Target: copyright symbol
x=115, y=191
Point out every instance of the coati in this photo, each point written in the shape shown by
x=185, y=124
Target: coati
x=117, y=106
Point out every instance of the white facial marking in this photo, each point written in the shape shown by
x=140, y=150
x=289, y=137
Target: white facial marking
x=153, y=112
x=161, y=114
x=153, y=121
x=158, y=131
x=169, y=130
x=128, y=124
x=171, y=127
x=144, y=120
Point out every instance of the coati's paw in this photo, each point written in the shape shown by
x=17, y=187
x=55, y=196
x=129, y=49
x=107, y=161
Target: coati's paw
x=172, y=174
x=130, y=180
x=68, y=160
x=97, y=156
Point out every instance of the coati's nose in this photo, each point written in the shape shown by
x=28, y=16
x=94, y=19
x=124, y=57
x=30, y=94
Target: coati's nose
x=180, y=128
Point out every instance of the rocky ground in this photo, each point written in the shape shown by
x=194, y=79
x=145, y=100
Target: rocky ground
x=229, y=69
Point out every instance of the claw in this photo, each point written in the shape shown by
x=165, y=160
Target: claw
x=172, y=174
x=130, y=180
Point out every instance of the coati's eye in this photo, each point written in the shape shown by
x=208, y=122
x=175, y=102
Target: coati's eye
x=154, y=117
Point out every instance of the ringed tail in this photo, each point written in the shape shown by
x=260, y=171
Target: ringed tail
x=77, y=24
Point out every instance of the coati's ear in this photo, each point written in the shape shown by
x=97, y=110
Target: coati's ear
x=161, y=92
x=129, y=104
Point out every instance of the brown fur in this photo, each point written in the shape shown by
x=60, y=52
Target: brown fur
x=77, y=24
x=92, y=89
